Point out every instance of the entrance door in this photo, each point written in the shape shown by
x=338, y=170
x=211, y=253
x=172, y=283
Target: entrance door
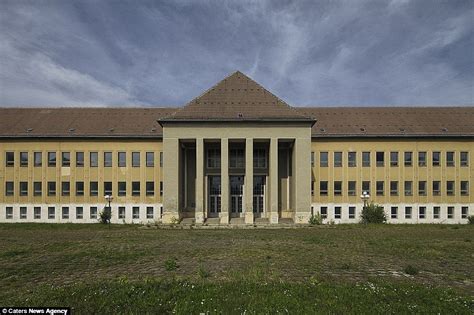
x=236, y=192
x=214, y=205
x=258, y=194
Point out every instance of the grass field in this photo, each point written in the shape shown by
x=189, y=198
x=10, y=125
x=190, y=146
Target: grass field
x=340, y=269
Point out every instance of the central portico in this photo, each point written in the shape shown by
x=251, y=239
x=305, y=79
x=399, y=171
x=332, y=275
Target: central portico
x=237, y=151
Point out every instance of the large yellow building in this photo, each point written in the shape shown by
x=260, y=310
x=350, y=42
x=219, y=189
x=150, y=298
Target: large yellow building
x=236, y=154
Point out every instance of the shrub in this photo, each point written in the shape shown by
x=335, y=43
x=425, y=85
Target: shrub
x=470, y=219
x=105, y=215
x=411, y=270
x=373, y=213
x=315, y=219
x=171, y=264
x=203, y=273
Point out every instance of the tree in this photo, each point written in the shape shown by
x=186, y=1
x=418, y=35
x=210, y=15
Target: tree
x=373, y=213
x=105, y=216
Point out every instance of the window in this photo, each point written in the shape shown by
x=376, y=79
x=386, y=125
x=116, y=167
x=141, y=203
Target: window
x=9, y=188
x=79, y=213
x=323, y=159
x=65, y=212
x=450, y=212
x=136, y=212
x=379, y=187
x=422, y=159
x=9, y=213
x=450, y=188
x=464, y=159
x=94, y=159
x=380, y=158
x=214, y=158
x=37, y=191
x=407, y=212
x=436, y=158
x=312, y=188
x=464, y=212
x=122, y=188
x=79, y=188
x=464, y=188
x=161, y=159
x=10, y=159
x=352, y=212
x=79, y=159
x=66, y=159
x=393, y=212
x=366, y=159
x=408, y=188
x=237, y=158
x=351, y=188
x=337, y=159
x=449, y=158
x=337, y=212
x=51, y=188
x=149, y=213
x=312, y=159
x=352, y=159
x=421, y=212
x=37, y=213
x=108, y=188
x=337, y=188
x=107, y=159
x=51, y=213
x=436, y=212
x=135, y=188
x=23, y=159
x=93, y=213
x=52, y=159
x=393, y=158
x=23, y=188
x=65, y=188
x=324, y=212
x=422, y=188
x=135, y=159
x=150, y=188
x=94, y=189
x=366, y=186
x=38, y=159
x=122, y=159
x=150, y=159
x=408, y=158
x=323, y=188
x=121, y=212
x=161, y=188
x=23, y=212
x=394, y=188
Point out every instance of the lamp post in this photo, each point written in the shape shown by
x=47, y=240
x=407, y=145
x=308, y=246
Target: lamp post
x=109, y=199
x=365, y=197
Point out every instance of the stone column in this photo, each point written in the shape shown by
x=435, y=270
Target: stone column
x=302, y=160
x=170, y=180
x=273, y=172
x=248, y=194
x=224, y=181
x=200, y=214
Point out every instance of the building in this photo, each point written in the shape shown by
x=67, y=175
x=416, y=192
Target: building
x=236, y=153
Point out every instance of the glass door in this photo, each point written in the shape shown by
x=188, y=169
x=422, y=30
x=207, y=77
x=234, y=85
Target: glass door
x=236, y=193
x=258, y=194
x=214, y=205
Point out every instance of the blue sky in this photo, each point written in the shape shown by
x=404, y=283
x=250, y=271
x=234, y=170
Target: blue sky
x=164, y=53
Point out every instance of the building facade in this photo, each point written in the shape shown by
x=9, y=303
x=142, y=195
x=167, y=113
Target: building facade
x=236, y=154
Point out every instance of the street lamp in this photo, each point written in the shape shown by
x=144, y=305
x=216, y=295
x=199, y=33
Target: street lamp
x=365, y=197
x=109, y=199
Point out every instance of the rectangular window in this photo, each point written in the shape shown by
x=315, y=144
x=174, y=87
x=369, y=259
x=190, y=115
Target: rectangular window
x=352, y=212
x=65, y=188
x=65, y=159
x=52, y=159
x=150, y=188
x=422, y=188
x=324, y=212
x=10, y=159
x=94, y=159
x=214, y=158
x=436, y=158
x=135, y=188
x=450, y=188
x=380, y=158
x=23, y=188
x=312, y=159
x=352, y=159
x=79, y=213
x=107, y=159
x=436, y=212
x=323, y=159
x=79, y=159
x=366, y=159
x=65, y=213
x=407, y=212
x=337, y=212
x=24, y=159
x=393, y=158
x=323, y=188
x=149, y=213
x=93, y=213
x=380, y=187
x=94, y=189
x=408, y=158
x=161, y=188
x=337, y=159
x=464, y=188
x=421, y=159
x=150, y=159
x=393, y=212
x=421, y=212
x=37, y=213
x=436, y=188
x=450, y=212
x=236, y=158
x=449, y=158
x=312, y=188
x=136, y=212
x=122, y=159
x=161, y=159
x=79, y=188
x=351, y=188
x=408, y=188
x=393, y=188
x=464, y=212
x=135, y=159
x=23, y=212
x=464, y=159
x=51, y=213
x=9, y=188
x=37, y=189
x=122, y=188
x=337, y=188
x=9, y=213
x=38, y=159
x=108, y=188
x=51, y=188
x=366, y=186
x=121, y=212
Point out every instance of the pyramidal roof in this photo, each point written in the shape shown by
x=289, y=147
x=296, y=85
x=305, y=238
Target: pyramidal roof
x=237, y=98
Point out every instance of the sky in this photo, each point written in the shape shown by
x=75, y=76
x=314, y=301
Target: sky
x=165, y=53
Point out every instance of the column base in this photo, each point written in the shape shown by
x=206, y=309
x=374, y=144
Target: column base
x=248, y=217
x=199, y=217
x=170, y=218
x=224, y=218
x=274, y=218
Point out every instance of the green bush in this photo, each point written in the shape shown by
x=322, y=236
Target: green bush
x=105, y=216
x=373, y=213
x=411, y=270
x=316, y=219
x=171, y=264
x=470, y=219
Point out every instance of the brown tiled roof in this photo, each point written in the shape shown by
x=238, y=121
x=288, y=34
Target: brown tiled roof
x=391, y=121
x=238, y=98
